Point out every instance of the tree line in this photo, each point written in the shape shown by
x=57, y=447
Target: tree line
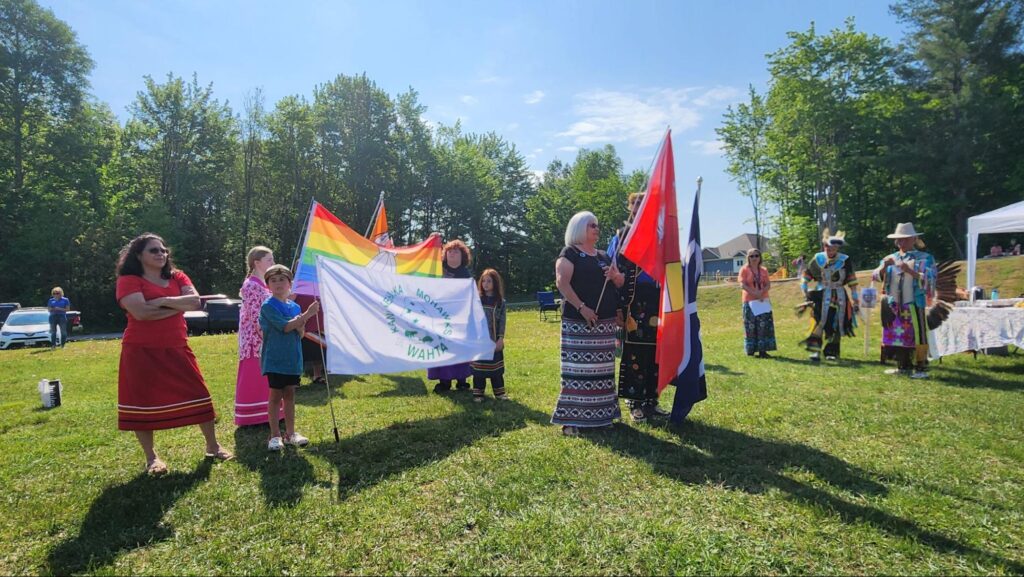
x=853, y=133
x=76, y=185
x=858, y=134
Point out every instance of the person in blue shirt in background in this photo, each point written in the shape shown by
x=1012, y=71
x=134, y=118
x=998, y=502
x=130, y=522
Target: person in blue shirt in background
x=58, y=305
x=282, y=322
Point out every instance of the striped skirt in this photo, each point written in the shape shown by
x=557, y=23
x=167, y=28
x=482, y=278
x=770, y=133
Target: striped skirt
x=251, y=394
x=488, y=368
x=588, y=397
x=160, y=388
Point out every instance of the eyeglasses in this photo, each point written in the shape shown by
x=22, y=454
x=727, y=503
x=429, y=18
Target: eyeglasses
x=755, y=256
x=592, y=225
x=155, y=250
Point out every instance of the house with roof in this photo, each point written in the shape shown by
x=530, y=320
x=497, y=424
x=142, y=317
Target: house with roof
x=727, y=258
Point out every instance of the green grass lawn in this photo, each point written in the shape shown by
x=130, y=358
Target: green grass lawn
x=786, y=468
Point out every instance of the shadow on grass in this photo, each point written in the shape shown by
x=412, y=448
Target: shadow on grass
x=283, y=475
x=124, y=518
x=405, y=387
x=977, y=379
x=753, y=465
x=806, y=361
x=315, y=394
x=721, y=370
x=369, y=458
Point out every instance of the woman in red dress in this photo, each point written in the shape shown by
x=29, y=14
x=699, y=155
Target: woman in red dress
x=159, y=385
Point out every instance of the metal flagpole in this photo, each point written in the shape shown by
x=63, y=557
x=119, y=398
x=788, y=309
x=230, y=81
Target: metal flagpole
x=327, y=375
x=373, y=219
x=305, y=223
x=319, y=331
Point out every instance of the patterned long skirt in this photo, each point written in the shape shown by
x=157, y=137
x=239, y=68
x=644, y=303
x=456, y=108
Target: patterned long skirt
x=759, y=331
x=906, y=340
x=588, y=396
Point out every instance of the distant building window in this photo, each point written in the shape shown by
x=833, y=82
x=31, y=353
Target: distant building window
x=739, y=262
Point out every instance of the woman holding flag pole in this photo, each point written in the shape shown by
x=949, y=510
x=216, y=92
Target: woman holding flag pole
x=639, y=304
x=588, y=397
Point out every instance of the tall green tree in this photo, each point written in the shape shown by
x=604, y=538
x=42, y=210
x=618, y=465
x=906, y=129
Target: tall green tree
x=43, y=83
x=175, y=175
x=964, y=60
x=821, y=103
x=744, y=133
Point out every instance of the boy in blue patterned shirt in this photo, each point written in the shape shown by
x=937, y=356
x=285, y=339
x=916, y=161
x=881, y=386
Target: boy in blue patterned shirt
x=282, y=322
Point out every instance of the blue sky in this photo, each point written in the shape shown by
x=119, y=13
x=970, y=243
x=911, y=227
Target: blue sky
x=550, y=76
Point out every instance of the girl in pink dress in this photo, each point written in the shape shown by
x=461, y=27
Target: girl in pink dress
x=251, y=388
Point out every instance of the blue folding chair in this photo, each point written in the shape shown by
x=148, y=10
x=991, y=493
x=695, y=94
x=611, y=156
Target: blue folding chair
x=546, y=302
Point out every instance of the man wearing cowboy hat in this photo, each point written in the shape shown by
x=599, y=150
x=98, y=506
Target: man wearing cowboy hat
x=834, y=311
x=908, y=282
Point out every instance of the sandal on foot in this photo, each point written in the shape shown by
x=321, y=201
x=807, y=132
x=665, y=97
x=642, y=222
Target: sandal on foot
x=156, y=468
x=222, y=454
x=570, y=431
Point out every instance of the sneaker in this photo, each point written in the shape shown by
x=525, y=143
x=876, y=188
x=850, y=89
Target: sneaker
x=275, y=444
x=815, y=358
x=638, y=415
x=296, y=440
x=658, y=411
x=831, y=358
x=919, y=375
x=478, y=399
x=892, y=371
x=503, y=397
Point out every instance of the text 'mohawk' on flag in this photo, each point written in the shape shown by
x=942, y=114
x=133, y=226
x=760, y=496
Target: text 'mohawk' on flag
x=653, y=245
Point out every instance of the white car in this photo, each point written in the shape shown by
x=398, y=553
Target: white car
x=27, y=326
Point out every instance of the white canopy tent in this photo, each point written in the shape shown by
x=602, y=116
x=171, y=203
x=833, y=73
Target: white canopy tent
x=1007, y=219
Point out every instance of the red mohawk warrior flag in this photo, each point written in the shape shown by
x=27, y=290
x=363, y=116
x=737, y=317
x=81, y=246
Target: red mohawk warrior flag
x=653, y=245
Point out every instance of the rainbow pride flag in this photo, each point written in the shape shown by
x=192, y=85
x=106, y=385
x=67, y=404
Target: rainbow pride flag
x=327, y=236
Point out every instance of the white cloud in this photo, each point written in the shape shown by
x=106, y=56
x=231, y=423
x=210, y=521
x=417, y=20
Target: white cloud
x=639, y=118
x=534, y=97
x=467, y=99
x=717, y=95
x=708, y=147
x=538, y=176
x=568, y=148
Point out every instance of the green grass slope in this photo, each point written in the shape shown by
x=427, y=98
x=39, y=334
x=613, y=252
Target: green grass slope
x=786, y=468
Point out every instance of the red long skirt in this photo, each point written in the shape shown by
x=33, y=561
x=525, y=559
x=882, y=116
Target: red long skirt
x=160, y=388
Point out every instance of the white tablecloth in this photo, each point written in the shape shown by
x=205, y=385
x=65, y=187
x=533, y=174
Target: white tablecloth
x=976, y=328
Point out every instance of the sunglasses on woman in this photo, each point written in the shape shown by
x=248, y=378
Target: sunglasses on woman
x=158, y=251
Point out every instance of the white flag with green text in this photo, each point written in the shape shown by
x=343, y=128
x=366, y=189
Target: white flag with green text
x=381, y=322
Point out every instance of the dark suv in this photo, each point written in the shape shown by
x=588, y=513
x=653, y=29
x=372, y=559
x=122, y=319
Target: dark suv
x=217, y=316
x=6, y=309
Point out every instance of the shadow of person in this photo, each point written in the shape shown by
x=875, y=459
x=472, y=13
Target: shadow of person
x=283, y=474
x=405, y=387
x=721, y=370
x=753, y=465
x=123, y=518
x=315, y=394
x=369, y=458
